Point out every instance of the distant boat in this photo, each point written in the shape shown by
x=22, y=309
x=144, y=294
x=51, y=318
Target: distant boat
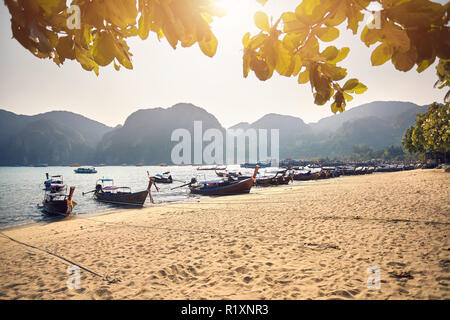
x=259, y=164
x=75, y=165
x=163, y=164
x=85, y=170
x=59, y=203
x=106, y=191
x=211, y=168
x=162, y=178
x=139, y=165
x=206, y=167
x=102, y=165
x=39, y=165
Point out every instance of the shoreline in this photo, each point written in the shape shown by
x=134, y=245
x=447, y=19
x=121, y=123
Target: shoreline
x=307, y=240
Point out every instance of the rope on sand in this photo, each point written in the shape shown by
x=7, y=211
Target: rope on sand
x=104, y=278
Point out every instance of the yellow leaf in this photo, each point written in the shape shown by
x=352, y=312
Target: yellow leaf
x=283, y=61
x=65, y=48
x=121, y=53
x=52, y=6
x=337, y=18
x=262, y=21
x=341, y=55
x=328, y=34
x=404, y=61
x=381, y=54
x=83, y=58
x=330, y=53
x=303, y=77
x=350, y=84
x=297, y=65
x=209, y=46
x=348, y=97
x=360, y=88
x=116, y=66
x=246, y=39
x=103, y=49
x=397, y=37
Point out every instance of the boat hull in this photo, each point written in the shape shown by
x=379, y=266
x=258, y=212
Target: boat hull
x=59, y=207
x=240, y=187
x=128, y=199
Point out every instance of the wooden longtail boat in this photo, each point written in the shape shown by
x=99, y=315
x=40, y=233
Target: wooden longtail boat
x=119, y=195
x=59, y=203
x=306, y=176
x=223, y=187
x=163, y=178
x=237, y=175
x=278, y=179
x=54, y=183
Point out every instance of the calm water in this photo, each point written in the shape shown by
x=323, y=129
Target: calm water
x=21, y=189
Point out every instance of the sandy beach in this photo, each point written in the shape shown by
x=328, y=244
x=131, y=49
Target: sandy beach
x=312, y=240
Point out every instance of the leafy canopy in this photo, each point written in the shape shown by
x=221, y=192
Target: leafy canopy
x=412, y=33
x=431, y=132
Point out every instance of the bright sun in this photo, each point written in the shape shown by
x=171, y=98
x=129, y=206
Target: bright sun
x=237, y=6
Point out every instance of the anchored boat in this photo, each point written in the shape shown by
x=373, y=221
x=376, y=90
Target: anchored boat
x=85, y=170
x=106, y=191
x=223, y=187
x=54, y=183
x=56, y=203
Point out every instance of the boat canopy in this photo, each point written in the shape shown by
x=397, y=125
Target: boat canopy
x=103, y=180
x=114, y=188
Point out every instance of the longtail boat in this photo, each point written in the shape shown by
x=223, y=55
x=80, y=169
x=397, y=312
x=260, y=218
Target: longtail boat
x=163, y=178
x=54, y=183
x=59, y=203
x=279, y=178
x=237, y=175
x=222, y=187
x=106, y=191
x=305, y=176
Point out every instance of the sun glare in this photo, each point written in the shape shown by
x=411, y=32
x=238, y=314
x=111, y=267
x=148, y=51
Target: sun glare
x=236, y=7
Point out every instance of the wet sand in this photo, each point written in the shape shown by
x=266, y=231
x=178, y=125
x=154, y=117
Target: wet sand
x=311, y=240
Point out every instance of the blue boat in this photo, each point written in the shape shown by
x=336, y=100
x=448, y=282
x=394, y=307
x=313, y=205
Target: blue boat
x=259, y=164
x=85, y=170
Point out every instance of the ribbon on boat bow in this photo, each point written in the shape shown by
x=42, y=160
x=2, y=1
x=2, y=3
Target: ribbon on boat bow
x=152, y=182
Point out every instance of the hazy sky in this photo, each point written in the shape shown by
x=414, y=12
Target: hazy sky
x=163, y=77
